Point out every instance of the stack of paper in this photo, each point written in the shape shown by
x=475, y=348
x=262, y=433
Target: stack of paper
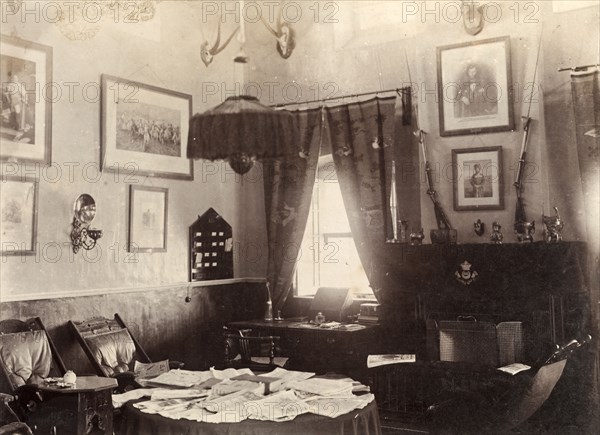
x=334, y=407
x=285, y=377
x=323, y=387
x=150, y=370
x=283, y=406
x=229, y=386
x=229, y=373
x=181, y=378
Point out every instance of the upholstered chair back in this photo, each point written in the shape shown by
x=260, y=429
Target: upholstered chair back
x=109, y=344
x=27, y=355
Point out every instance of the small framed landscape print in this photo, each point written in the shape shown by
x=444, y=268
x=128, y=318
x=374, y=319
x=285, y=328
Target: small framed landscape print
x=475, y=87
x=147, y=219
x=477, y=177
x=18, y=219
x=27, y=94
x=145, y=129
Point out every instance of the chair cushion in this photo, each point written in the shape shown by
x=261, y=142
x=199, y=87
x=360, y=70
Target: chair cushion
x=114, y=351
x=26, y=356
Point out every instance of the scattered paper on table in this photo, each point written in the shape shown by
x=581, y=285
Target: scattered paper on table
x=181, y=378
x=150, y=370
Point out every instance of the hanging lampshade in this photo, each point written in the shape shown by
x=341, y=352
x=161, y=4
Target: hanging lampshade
x=242, y=130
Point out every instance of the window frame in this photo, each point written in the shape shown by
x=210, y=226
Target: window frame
x=318, y=235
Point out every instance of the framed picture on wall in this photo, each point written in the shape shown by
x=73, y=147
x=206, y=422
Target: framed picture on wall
x=475, y=87
x=145, y=129
x=477, y=177
x=27, y=94
x=148, y=211
x=18, y=219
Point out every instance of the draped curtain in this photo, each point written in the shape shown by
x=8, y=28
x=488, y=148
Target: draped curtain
x=586, y=104
x=288, y=186
x=585, y=89
x=361, y=138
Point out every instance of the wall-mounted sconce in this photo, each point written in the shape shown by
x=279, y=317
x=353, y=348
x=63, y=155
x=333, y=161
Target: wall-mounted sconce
x=82, y=236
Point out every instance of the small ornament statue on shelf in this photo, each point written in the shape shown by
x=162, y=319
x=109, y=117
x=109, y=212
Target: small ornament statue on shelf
x=496, y=236
x=416, y=238
x=479, y=227
x=525, y=231
x=554, y=226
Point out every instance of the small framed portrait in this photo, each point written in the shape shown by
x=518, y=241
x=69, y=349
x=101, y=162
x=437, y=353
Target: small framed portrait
x=145, y=129
x=148, y=212
x=477, y=177
x=26, y=121
x=474, y=87
x=18, y=215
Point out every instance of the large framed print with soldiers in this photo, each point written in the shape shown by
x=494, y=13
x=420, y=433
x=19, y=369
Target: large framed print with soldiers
x=474, y=87
x=26, y=121
x=144, y=129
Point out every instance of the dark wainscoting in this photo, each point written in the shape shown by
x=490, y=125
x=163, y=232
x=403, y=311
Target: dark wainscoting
x=162, y=321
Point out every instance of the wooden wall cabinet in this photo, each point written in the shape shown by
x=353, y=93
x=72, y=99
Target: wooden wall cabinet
x=210, y=248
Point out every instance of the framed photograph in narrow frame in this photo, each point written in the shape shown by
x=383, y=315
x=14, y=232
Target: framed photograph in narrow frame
x=27, y=94
x=475, y=87
x=148, y=213
x=145, y=129
x=19, y=214
x=477, y=178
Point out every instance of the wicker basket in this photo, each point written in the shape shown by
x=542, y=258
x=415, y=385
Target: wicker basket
x=481, y=342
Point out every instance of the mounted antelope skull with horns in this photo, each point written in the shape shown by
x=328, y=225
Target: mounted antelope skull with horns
x=207, y=53
x=473, y=16
x=283, y=32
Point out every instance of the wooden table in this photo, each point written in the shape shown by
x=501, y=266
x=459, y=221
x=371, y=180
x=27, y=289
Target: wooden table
x=82, y=409
x=320, y=350
x=358, y=422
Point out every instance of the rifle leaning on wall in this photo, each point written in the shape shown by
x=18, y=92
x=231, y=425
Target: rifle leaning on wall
x=444, y=233
x=523, y=228
x=442, y=220
x=520, y=215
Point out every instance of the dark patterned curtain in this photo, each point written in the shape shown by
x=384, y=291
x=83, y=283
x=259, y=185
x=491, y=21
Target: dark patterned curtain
x=288, y=185
x=586, y=104
x=360, y=137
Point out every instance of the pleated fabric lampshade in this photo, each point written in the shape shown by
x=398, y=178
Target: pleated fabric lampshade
x=242, y=130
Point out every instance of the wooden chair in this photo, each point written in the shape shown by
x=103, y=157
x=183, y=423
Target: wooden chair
x=27, y=357
x=258, y=353
x=112, y=349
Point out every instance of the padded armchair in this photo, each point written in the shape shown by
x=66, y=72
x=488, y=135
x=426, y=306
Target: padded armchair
x=27, y=356
x=258, y=353
x=111, y=348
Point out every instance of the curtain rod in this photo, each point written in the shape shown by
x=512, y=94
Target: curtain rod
x=322, y=100
x=578, y=68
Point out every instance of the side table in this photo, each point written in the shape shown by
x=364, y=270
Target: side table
x=85, y=408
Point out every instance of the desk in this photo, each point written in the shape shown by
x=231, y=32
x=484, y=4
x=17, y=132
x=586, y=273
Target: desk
x=358, y=422
x=86, y=408
x=314, y=349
